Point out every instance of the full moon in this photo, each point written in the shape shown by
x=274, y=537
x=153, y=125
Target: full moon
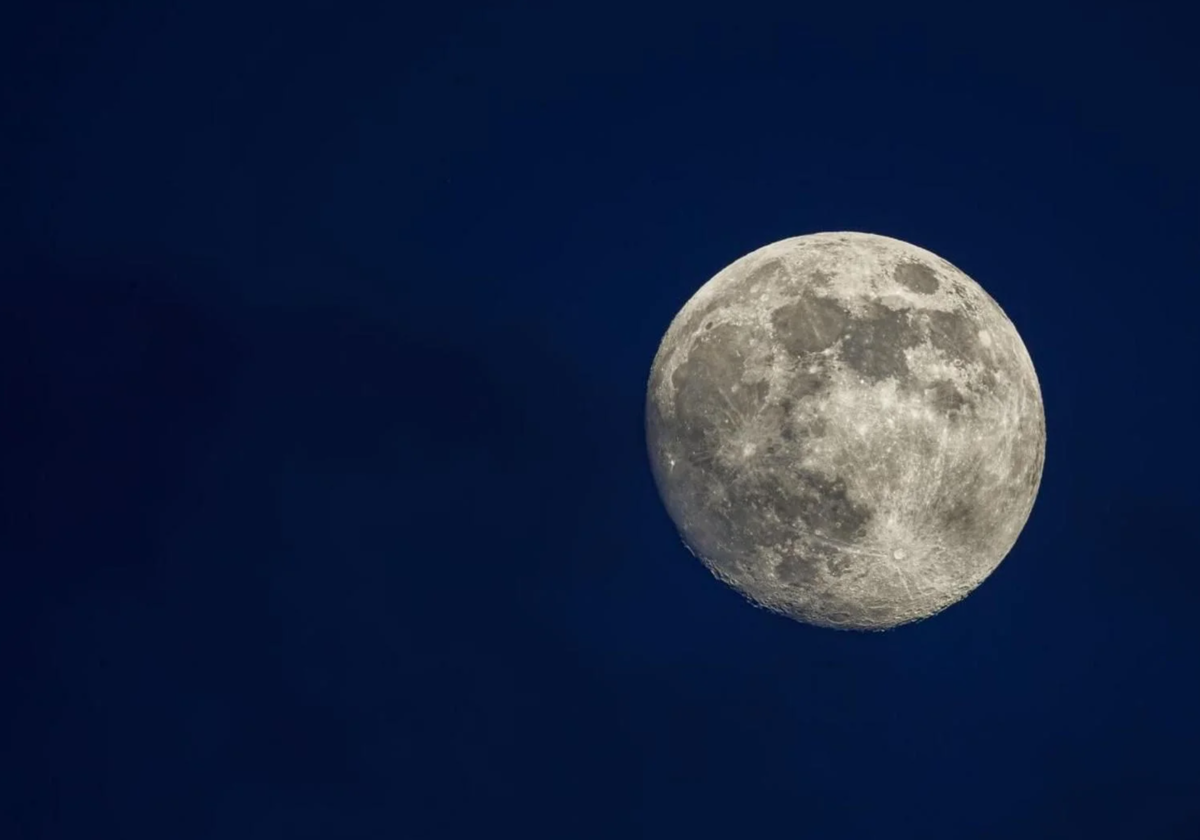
x=846, y=429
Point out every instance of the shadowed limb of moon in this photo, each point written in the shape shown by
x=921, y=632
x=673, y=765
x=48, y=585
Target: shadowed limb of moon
x=846, y=429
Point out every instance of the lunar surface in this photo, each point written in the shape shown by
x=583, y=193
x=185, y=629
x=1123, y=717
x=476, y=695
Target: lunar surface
x=846, y=429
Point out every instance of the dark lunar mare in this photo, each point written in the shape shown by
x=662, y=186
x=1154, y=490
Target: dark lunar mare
x=761, y=499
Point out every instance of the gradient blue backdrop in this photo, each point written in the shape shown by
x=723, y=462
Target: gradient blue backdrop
x=324, y=336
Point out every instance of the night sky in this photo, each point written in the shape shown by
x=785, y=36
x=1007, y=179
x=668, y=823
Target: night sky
x=324, y=337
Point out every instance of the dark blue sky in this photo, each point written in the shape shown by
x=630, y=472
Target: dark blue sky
x=324, y=335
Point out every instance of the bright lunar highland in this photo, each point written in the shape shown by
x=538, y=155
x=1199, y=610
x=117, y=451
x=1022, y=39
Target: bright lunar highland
x=846, y=429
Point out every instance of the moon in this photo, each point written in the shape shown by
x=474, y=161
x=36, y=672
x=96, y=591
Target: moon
x=846, y=429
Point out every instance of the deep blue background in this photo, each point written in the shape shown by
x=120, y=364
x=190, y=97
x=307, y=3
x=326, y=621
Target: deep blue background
x=324, y=333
